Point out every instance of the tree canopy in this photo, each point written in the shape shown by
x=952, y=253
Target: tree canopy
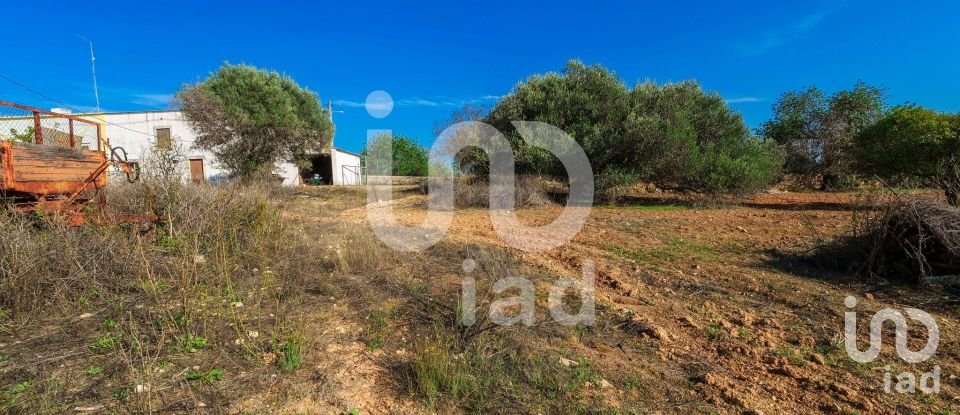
x=916, y=142
x=252, y=118
x=409, y=158
x=675, y=135
x=817, y=130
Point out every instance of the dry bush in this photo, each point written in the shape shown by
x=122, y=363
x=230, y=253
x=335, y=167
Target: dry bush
x=210, y=287
x=474, y=191
x=912, y=239
x=44, y=262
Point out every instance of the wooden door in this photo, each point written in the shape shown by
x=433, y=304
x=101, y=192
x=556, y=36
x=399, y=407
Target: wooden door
x=196, y=170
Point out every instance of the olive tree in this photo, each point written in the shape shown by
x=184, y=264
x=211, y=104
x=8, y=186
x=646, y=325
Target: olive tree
x=252, y=118
x=915, y=142
x=817, y=131
x=675, y=135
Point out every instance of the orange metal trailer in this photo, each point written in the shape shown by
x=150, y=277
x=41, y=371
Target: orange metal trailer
x=55, y=163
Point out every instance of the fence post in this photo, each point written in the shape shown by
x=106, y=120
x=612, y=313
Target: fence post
x=37, y=133
x=72, y=141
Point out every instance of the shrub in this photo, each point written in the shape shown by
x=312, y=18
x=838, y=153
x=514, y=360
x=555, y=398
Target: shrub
x=692, y=141
x=474, y=191
x=912, y=141
x=408, y=157
x=48, y=264
x=611, y=183
x=675, y=135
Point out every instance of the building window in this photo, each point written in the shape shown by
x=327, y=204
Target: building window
x=163, y=139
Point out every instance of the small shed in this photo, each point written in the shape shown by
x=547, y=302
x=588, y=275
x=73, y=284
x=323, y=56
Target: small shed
x=335, y=167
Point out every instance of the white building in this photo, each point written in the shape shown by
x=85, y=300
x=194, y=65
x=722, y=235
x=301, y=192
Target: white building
x=139, y=132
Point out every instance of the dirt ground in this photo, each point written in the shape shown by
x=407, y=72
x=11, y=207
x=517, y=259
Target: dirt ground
x=699, y=310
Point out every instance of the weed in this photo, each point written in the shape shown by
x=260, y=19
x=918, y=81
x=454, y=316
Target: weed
x=673, y=250
x=4, y=358
x=583, y=373
x=795, y=356
x=715, y=332
x=9, y=396
x=486, y=375
x=110, y=324
x=106, y=341
x=210, y=376
x=861, y=369
x=377, y=328
x=121, y=394
x=291, y=352
x=93, y=371
x=192, y=343
x=582, y=330
x=179, y=319
x=167, y=243
x=658, y=208
x=88, y=296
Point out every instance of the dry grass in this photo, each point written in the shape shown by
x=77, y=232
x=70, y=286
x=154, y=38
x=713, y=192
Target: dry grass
x=142, y=319
x=474, y=191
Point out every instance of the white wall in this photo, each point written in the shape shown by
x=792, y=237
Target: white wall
x=126, y=129
x=341, y=175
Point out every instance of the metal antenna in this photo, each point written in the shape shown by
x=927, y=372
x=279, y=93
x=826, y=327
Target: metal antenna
x=93, y=69
x=331, y=111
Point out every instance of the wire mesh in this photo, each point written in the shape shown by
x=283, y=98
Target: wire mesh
x=31, y=125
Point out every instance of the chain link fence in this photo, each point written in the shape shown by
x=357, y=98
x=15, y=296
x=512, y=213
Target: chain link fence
x=30, y=125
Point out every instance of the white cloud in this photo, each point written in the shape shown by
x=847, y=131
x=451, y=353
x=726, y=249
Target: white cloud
x=788, y=33
x=417, y=102
x=351, y=104
x=743, y=100
x=425, y=102
x=152, y=100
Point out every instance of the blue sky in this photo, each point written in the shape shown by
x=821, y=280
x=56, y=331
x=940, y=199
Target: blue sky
x=433, y=58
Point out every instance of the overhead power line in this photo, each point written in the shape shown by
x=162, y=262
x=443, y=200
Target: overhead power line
x=44, y=96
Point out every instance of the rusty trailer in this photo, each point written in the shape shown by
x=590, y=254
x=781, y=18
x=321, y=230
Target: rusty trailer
x=55, y=163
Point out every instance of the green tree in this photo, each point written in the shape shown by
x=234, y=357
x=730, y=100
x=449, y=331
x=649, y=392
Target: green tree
x=674, y=135
x=817, y=131
x=252, y=118
x=409, y=157
x=679, y=136
x=27, y=136
x=587, y=102
x=916, y=142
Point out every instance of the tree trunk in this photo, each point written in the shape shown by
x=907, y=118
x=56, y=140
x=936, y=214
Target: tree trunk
x=830, y=182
